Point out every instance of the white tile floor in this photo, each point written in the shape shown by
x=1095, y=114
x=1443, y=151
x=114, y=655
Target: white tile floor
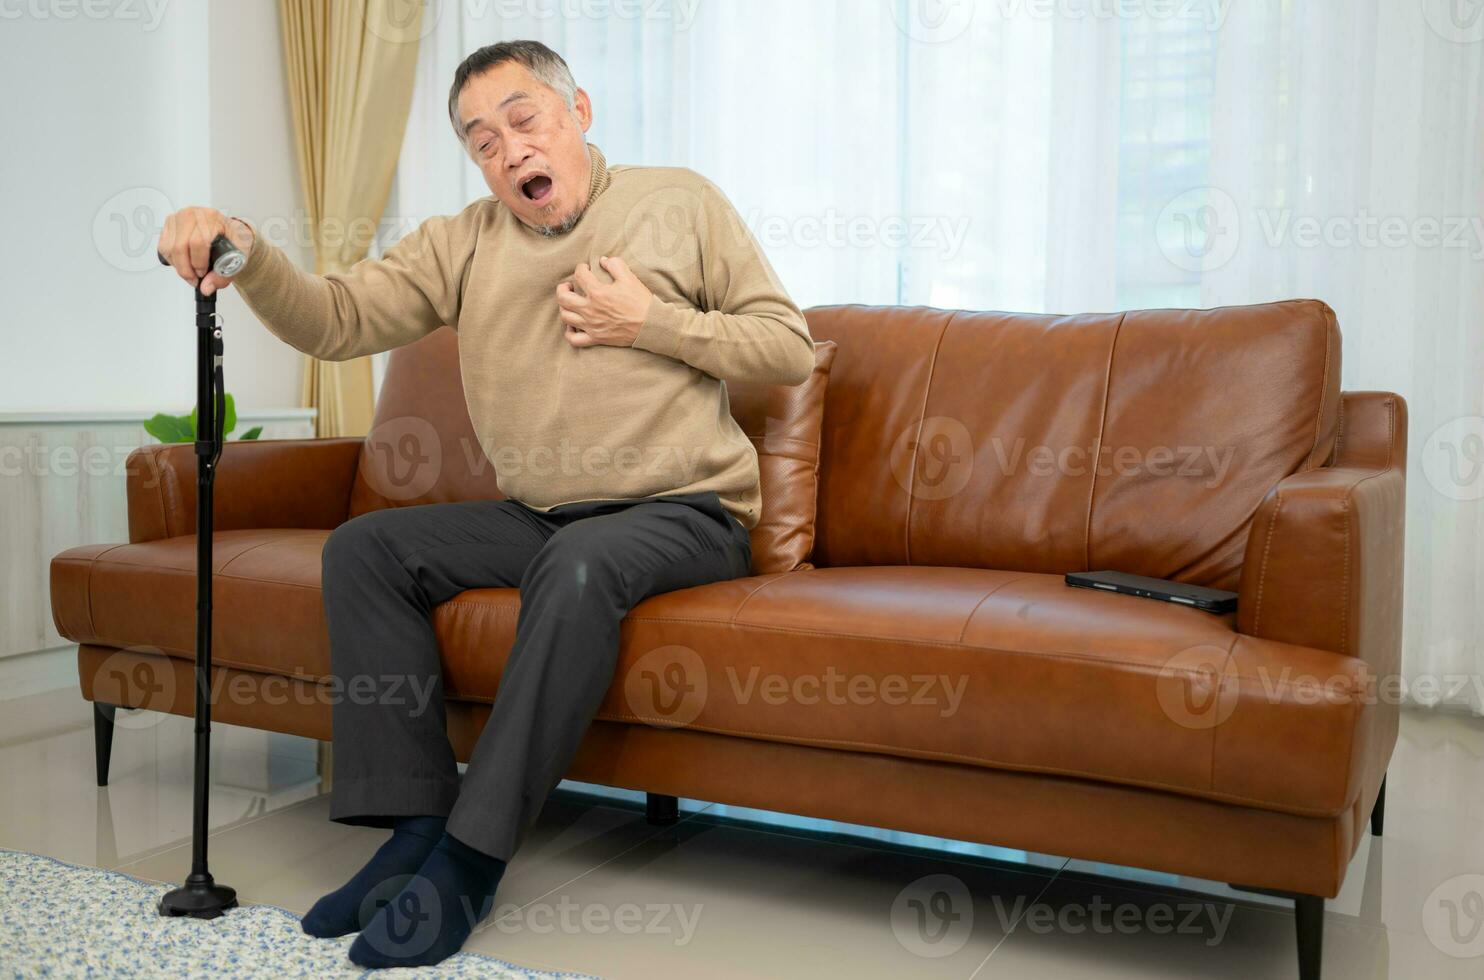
x=724, y=893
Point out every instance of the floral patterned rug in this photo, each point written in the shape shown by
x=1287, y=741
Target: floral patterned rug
x=61, y=920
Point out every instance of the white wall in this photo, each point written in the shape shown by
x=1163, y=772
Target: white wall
x=115, y=114
x=62, y=485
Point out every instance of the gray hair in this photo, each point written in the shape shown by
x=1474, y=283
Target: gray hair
x=538, y=59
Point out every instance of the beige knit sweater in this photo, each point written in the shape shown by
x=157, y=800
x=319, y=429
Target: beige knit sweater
x=562, y=424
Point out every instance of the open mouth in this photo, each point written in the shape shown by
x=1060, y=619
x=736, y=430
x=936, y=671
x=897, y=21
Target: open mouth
x=536, y=188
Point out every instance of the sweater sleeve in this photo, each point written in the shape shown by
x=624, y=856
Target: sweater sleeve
x=749, y=329
x=378, y=304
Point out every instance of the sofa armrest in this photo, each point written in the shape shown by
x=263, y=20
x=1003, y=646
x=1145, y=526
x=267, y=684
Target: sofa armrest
x=259, y=483
x=1323, y=566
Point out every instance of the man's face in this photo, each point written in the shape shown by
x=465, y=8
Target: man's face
x=528, y=144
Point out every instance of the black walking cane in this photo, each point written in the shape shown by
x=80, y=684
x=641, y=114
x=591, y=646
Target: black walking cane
x=201, y=897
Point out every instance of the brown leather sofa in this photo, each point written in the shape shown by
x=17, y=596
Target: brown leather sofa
x=932, y=673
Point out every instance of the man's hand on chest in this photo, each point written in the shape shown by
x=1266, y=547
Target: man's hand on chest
x=603, y=313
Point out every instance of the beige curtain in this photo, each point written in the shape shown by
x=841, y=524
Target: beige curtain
x=350, y=70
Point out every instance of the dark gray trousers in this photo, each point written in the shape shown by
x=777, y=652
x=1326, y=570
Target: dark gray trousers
x=579, y=567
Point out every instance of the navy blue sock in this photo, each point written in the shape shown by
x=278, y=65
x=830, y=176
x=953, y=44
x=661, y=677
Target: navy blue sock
x=340, y=912
x=429, y=920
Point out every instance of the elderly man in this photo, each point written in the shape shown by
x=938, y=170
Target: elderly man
x=599, y=310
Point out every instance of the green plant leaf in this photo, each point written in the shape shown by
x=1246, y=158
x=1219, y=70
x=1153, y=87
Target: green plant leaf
x=170, y=428
x=253, y=433
x=182, y=428
x=229, y=418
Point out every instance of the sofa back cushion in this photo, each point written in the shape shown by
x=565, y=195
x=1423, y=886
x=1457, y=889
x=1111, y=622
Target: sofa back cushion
x=422, y=448
x=1139, y=441
x=784, y=423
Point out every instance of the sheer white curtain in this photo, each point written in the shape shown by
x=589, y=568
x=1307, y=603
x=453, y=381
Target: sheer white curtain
x=1347, y=143
x=1075, y=155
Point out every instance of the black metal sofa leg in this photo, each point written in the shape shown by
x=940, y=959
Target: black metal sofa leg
x=103, y=738
x=1378, y=812
x=661, y=810
x=1308, y=916
x=1308, y=921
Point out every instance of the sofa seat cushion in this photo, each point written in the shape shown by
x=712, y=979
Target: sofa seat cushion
x=987, y=668
x=1005, y=670
x=267, y=614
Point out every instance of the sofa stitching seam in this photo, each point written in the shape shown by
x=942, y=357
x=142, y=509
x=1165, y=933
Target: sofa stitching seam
x=1340, y=431
x=1390, y=430
x=889, y=750
x=1278, y=685
x=896, y=750
x=1350, y=527
x=88, y=588
x=244, y=551
x=982, y=600
x=1102, y=427
x=732, y=620
x=927, y=393
x=174, y=501
x=88, y=591
x=1323, y=395
x=191, y=573
x=154, y=460
x=936, y=644
x=1345, y=575
x=1230, y=652
x=1262, y=575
